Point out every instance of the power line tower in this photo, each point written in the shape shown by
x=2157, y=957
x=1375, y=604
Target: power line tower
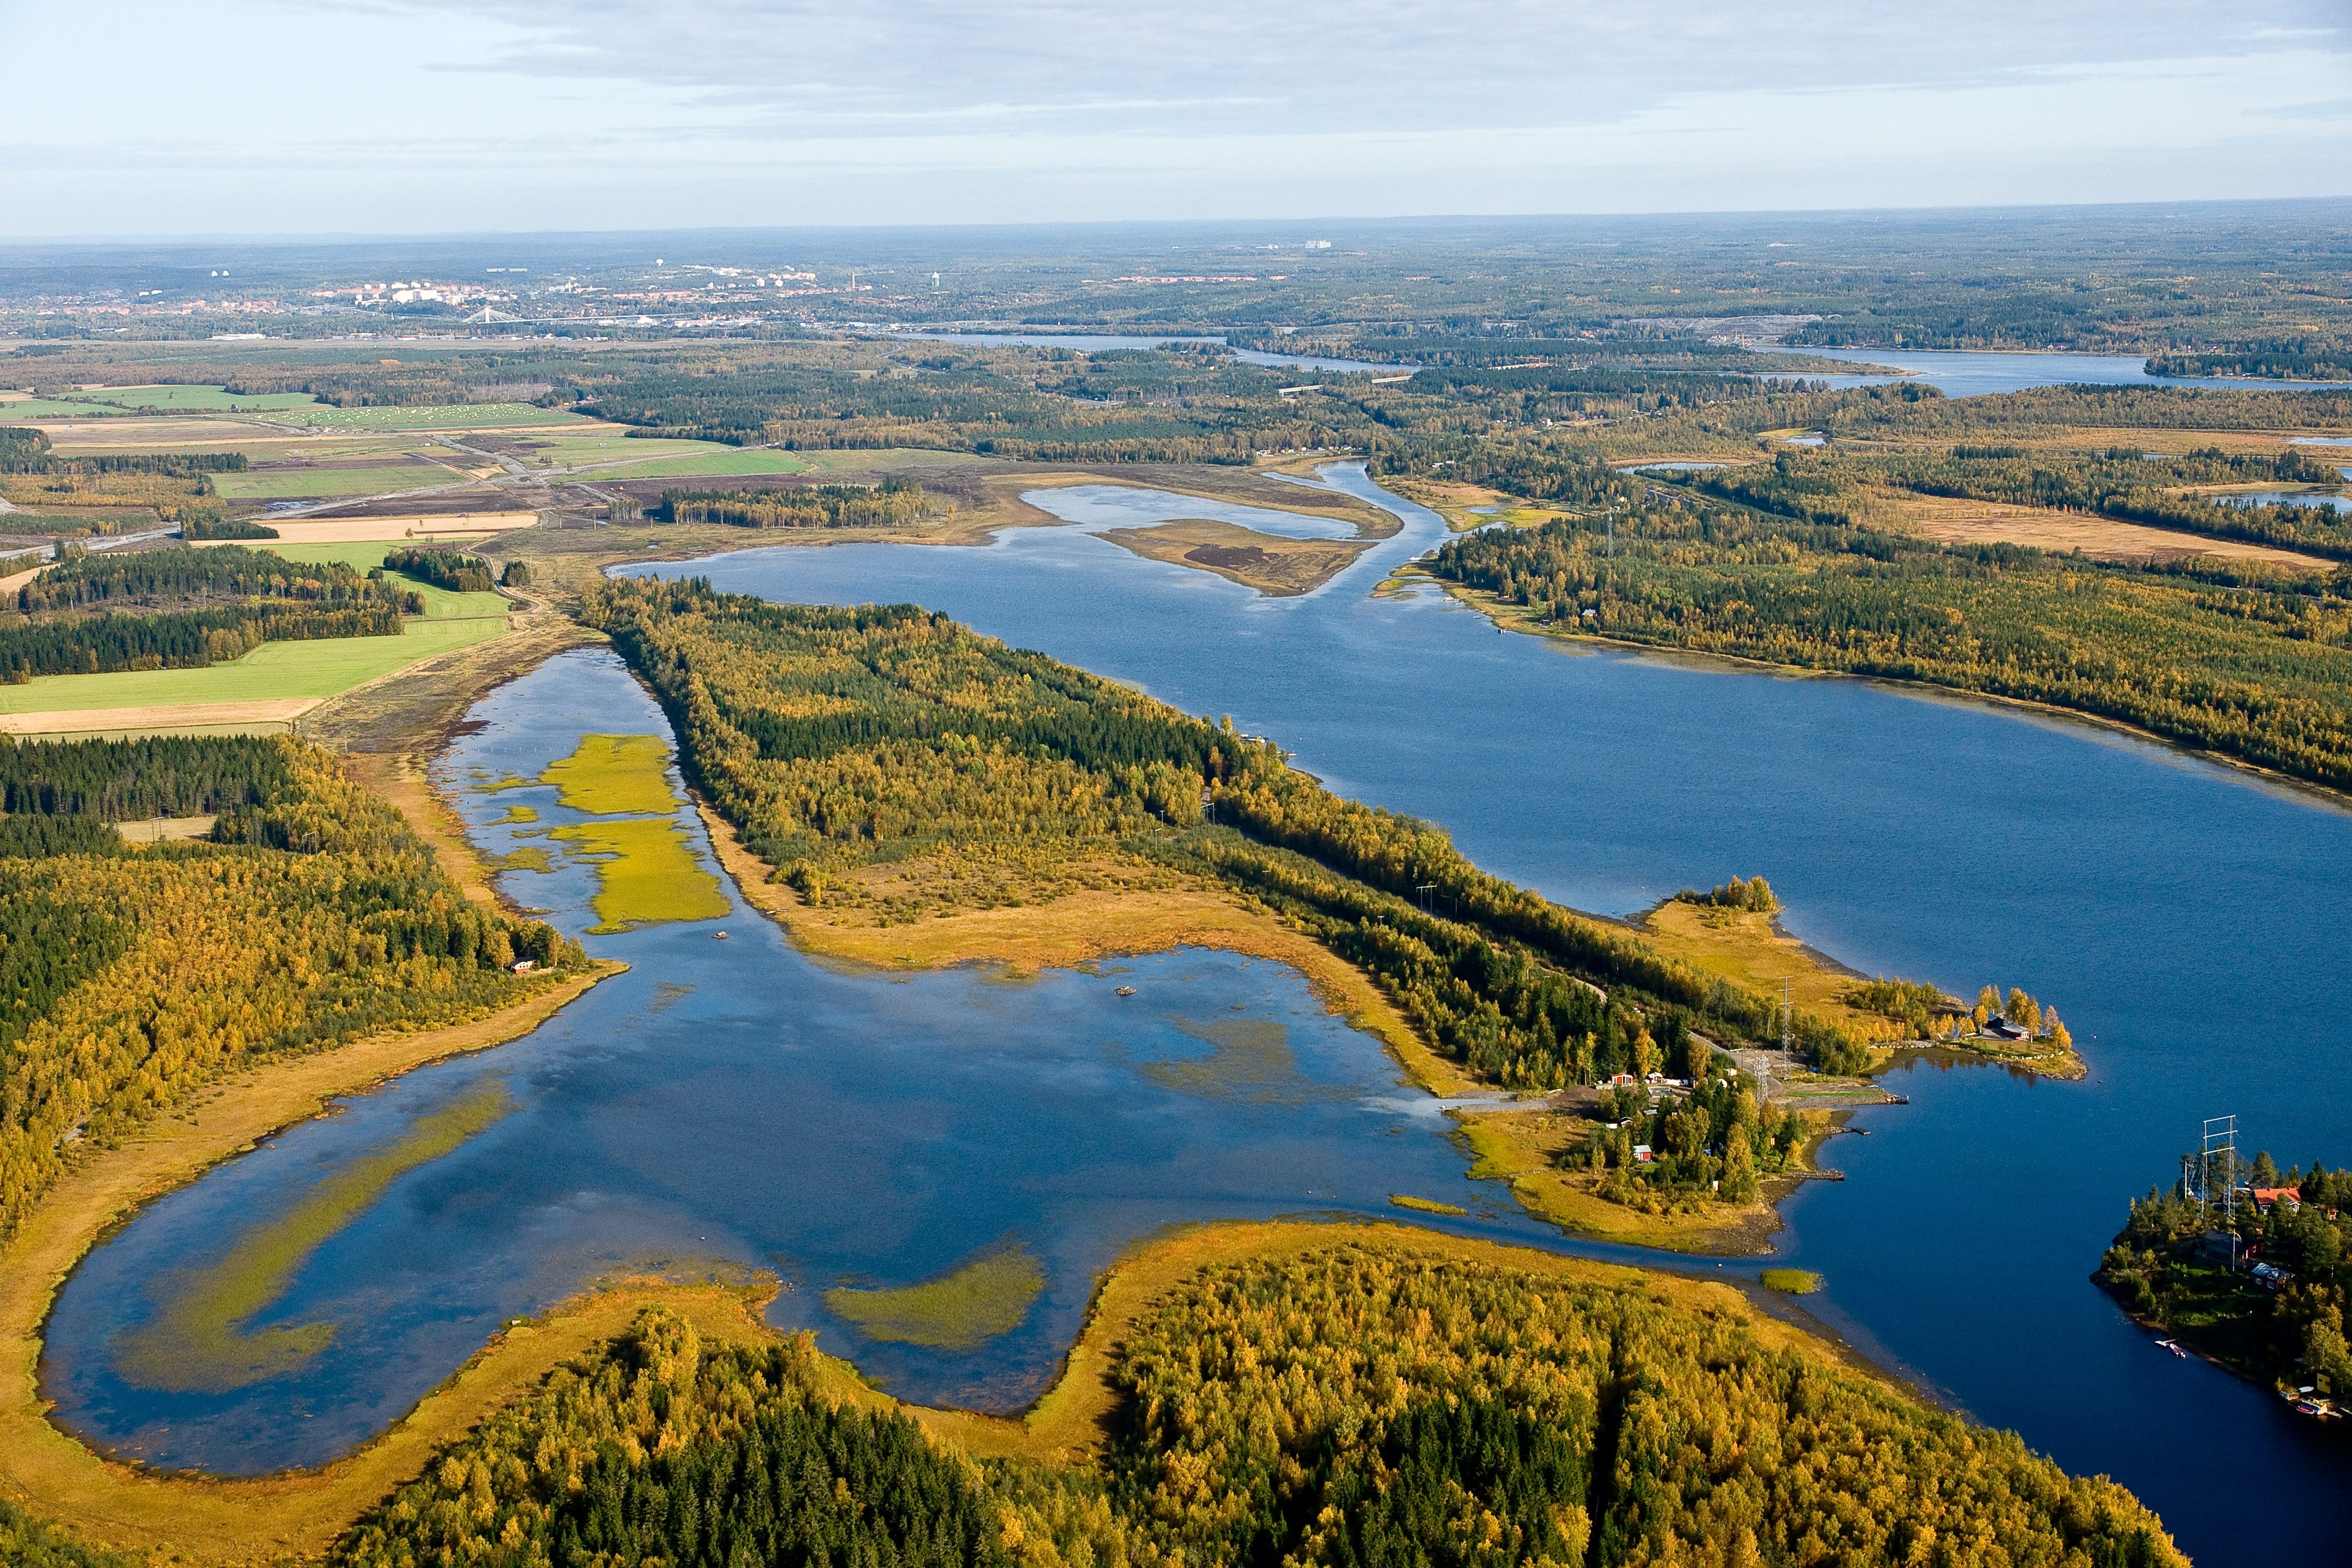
x=2210, y=1175
x=1788, y=1020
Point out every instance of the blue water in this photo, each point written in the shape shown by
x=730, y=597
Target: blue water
x=2181, y=915
x=2286, y=497
x=1100, y=343
x=1962, y=373
x=732, y=1105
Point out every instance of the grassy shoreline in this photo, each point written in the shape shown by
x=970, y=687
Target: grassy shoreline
x=50, y=1472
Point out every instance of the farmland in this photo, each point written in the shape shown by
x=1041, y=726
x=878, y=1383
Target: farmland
x=274, y=670
x=279, y=484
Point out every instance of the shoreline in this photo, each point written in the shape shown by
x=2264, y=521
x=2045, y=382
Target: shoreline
x=2325, y=795
x=1086, y=927
x=51, y=1472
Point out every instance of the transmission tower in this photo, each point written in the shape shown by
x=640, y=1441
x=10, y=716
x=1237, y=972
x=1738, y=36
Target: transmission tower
x=1788, y=1020
x=2210, y=1175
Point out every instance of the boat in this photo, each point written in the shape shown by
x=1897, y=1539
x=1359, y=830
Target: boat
x=1124, y=991
x=719, y=936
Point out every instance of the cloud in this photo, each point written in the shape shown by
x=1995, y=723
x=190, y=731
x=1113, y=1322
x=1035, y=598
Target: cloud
x=433, y=115
x=2334, y=109
x=1226, y=66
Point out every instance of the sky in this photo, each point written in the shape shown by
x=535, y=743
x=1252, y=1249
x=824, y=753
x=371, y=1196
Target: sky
x=259, y=117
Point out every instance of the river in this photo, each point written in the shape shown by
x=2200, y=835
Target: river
x=735, y=1097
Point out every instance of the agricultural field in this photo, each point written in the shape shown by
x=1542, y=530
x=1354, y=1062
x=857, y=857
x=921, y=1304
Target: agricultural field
x=440, y=603
x=284, y=484
x=193, y=399
x=723, y=461
x=274, y=671
x=450, y=416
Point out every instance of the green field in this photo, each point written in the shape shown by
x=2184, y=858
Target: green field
x=50, y=408
x=193, y=399
x=272, y=670
x=445, y=416
x=725, y=461
x=439, y=603
x=607, y=446
x=282, y=484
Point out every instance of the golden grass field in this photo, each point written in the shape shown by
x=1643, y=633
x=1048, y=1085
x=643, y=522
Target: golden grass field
x=1949, y=520
x=1269, y=562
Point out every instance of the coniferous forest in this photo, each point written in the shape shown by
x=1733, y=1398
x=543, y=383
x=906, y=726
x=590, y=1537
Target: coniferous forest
x=1373, y=1402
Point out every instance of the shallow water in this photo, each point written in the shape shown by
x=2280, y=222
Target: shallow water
x=2178, y=913
x=731, y=1105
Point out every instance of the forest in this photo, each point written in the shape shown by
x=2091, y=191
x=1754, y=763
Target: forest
x=2289, y=1329
x=2245, y=664
x=893, y=503
x=451, y=569
x=838, y=738
x=185, y=609
x=1371, y=1401
x=131, y=979
x=1853, y=490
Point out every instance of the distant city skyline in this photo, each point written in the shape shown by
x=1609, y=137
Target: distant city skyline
x=288, y=116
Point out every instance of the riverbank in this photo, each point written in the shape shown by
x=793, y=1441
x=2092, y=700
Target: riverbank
x=1083, y=928
x=52, y=1474
x=1074, y=1420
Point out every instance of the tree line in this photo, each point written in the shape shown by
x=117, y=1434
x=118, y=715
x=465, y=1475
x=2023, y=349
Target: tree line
x=451, y=569
x=835, y=737
x=2260, y=672
x=1359, y=1403
x=128, y=981
x=893, y=503
x=2161, y=1267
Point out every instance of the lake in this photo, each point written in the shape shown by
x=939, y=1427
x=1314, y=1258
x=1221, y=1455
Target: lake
x=1099, y=343
x=2177, y=912
x=733, y=1098
x=1962, y=373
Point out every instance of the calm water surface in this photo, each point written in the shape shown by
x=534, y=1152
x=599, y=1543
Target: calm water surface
x=725, y=1105
x=733, y=1102
x=2184, y=917
x=1962, y=373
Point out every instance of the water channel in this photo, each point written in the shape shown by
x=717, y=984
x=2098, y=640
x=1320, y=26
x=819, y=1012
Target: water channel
x=733, y=1104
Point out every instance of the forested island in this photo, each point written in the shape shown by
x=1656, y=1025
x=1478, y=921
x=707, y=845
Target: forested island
x=2259, y=1285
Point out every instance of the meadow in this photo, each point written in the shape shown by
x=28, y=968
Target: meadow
x=445, y=416
x=274, y=670
x=439, y=603
x=282, y=484
x=193, y=399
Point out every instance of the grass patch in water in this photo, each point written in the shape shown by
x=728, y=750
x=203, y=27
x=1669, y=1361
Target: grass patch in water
x=1795, y=1281
x=530, y=858
x=196, y=1341
x=1424, y=1205
x=646, y=873
x=1252, y=1062
x=516, y=814
x=956, y=1312
x=615, y=774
